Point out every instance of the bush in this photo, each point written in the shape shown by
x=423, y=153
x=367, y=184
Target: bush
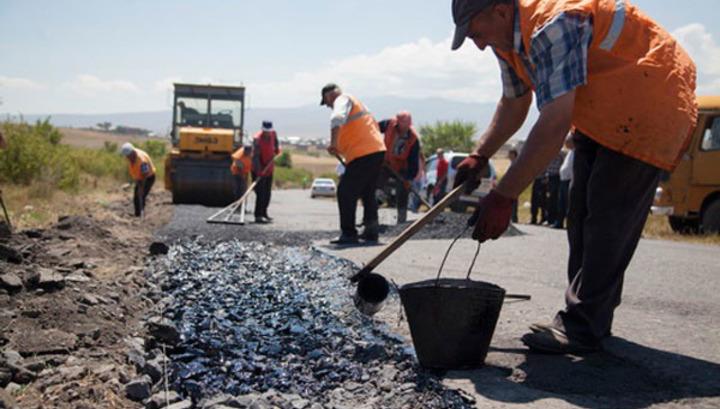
x=284, y=160
x=291, y=178
x=155, y=148
x=455, y=135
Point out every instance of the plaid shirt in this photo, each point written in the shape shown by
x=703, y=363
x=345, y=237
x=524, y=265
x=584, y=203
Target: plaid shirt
x=557, y=61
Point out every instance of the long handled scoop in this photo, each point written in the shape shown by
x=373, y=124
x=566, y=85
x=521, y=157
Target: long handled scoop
x=409, y=232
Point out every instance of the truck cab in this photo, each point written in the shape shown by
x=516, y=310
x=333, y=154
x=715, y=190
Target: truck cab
x=690, y=195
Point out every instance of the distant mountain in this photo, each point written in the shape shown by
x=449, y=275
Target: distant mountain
x=309, y=121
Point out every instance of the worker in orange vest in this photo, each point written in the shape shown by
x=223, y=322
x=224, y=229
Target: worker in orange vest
x=356, y=138
x=240, y=169
x=628, y=88
x=142, y=171
x=402, y=145
x=265, y=147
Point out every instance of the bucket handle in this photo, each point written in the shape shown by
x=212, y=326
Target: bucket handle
x=477, y=251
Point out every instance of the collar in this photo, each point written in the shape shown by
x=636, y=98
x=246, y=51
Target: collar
x=517, y=33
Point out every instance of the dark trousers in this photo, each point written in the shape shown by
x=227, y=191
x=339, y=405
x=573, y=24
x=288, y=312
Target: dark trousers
x=263, y=191
x=240, y=185
x=359, y=182
x=553, y=188
x=140, y=194
x=402, y=194
x=563, y=198
x=610, y=199
x=441, y=191
x=538, y=200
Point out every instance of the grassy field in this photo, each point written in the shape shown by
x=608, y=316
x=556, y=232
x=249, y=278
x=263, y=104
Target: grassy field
x=83, y=138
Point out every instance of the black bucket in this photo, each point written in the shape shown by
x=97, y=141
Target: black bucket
x=452, y=320
x=372, y=290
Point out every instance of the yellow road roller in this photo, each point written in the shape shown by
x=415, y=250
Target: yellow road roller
x=207, y=127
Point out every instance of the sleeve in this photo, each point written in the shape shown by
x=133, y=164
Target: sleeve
x=513, y=86
x=559, y=52
x=412, y=168
x=341, y=111
x=384, y=125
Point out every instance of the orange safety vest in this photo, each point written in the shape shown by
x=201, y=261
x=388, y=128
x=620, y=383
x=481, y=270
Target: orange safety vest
x=398, y=161
x=136, y=168
x=640, y=93
x=360, y=136
x=239, y=157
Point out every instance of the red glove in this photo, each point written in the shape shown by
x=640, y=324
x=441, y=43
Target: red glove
x=468, y=172
x=492, y=216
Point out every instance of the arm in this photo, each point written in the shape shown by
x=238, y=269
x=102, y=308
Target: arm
x=341, y=110
x=543, y=144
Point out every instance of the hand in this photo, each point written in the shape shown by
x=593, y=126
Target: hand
x=468, y=172
x=492, y=216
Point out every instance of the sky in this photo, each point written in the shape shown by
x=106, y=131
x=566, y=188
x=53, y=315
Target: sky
x=122, y=56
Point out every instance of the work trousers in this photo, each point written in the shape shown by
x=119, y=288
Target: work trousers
x=440, y=192
x=402, y=194
x=140, y=194
x=562, y=207
x=553, y=188
x=240, y=185
x=610, y=198
x=359, y=182
x=263, y=190
x=538, y=201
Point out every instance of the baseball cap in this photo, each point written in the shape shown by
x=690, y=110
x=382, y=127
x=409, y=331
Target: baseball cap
x=463, y=11
x=267, y=126
x=127, y=149
x=327, y=88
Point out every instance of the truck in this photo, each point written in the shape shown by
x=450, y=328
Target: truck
x=690, y=195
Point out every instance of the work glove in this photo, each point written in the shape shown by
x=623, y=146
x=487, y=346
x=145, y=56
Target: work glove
x=492, y=216
x=468, y=172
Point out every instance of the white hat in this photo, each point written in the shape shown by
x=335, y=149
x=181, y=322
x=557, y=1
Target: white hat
x=127, y=149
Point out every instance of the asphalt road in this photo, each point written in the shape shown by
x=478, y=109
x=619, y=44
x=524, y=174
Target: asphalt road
x=665, y=351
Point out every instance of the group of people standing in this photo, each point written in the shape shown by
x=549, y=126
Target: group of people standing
x=550, y=190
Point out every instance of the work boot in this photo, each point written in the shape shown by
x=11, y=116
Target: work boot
x=540, y=327
x=371, y=231
x=345, y=239
x=261, y=220
x=402, y=215
x=554, y=341
x=268, y=217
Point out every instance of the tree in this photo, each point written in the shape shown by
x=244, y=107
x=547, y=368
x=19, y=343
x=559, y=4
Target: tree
x=456, y=135
x=105, y=126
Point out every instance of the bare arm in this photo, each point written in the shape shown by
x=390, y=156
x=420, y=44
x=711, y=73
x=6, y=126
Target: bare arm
x=510, y=114
x=542, y=145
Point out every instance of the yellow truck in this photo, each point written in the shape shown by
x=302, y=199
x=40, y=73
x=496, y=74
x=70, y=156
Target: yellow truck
x=207, y=127
x=690, y=196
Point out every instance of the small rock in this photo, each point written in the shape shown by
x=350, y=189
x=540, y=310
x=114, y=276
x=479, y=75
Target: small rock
x=33, y=233
x=71, y=373
x=163, y=330
x=13, y=388
x=186, y=404
x=162, y=399
x=5, y=376
x=139, y=388
x=154, y=369
x=11, y=282
x=195, y=389
x=221, y=399
x=89, y=299
x=46, y=279
x=12, y=357
x=158, y=248
x=6, y=400
x=10, y=254
x=77, y=278
x=46, y=342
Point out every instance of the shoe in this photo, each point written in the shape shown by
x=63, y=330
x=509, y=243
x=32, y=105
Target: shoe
x=554, y=341
x=268, y=217
x=261, y=220
x=540, y=327
x=369, y=237
x=370, y=232
x=345, y=240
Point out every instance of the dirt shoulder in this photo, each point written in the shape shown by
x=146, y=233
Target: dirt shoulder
x=71, y=299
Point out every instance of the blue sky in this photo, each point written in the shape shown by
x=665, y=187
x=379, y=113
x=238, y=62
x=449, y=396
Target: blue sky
x=120, y=56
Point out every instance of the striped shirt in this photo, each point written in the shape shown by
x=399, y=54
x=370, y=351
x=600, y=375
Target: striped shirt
x=557, y=61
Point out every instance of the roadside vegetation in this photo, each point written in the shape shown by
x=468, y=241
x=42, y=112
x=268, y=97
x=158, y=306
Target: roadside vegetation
x=38, y=173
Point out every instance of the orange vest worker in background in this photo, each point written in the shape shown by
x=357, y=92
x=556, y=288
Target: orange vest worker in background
x=628, y=89
x=402, y=154
x=142, y=171
x=356, y=138
x=240, y=169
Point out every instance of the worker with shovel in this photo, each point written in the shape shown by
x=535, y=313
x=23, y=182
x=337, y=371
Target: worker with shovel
x=401, y=159
x=628, y=88
x=142, y=171
x=355, y=138
x=265, y=148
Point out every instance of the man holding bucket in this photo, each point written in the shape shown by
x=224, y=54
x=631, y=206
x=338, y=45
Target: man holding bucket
x=627, y=87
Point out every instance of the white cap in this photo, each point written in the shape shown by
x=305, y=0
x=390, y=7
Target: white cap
x=127, y=149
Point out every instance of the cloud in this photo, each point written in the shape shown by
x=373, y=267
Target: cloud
x=20, y=83
x=90, y=85
x=703, y=49
x=166, y=84
x=421, y=69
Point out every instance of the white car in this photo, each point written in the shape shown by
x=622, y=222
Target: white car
x=488, y=180
x=322, y=187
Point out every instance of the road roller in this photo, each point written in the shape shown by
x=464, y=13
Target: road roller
x=207, y=127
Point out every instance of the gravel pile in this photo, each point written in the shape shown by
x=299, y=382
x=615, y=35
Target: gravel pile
x=446, y=225
x=276, y=326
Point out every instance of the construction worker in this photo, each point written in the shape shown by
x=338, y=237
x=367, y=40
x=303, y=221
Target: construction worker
x=142, y=171
x=356, y=138
x=265, y=148
x=402, y=146
x=441, y=174
x=240, y=169
x=628, y=88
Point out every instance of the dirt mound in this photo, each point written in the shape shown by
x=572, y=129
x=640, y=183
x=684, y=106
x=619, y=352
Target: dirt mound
x=71, y=295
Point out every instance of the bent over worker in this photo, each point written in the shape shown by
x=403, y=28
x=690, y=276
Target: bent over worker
x=265, y=148
x=240, y=169
x=628, y=88
x=142, y=171
x=356, y=137
x=402, y=154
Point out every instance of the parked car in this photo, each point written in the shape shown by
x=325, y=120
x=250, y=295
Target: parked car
x=690, y=196
x=488, y=181
x=322, y=187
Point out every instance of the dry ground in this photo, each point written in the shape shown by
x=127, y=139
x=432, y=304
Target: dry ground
x=95, y=139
